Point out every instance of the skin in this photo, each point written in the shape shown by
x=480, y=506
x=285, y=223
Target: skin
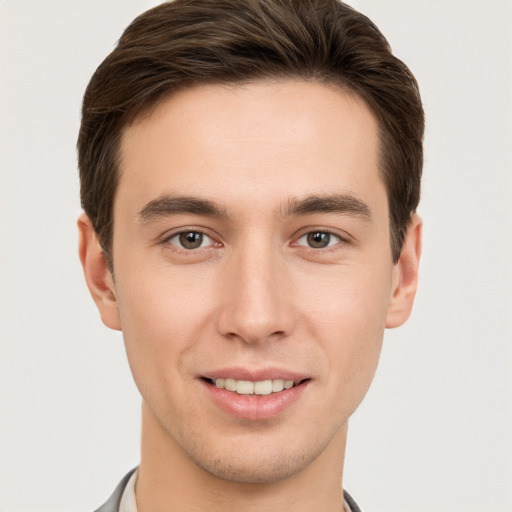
x=255, y=294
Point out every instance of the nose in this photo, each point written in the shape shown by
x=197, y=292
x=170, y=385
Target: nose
x=257, y=300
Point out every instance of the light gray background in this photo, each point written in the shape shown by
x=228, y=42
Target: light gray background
x=435, y=432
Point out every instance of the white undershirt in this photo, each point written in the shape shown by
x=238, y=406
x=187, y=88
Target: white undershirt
x=128, y=503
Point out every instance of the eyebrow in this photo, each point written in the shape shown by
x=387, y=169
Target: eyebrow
x=167, y=205
x=345, y=204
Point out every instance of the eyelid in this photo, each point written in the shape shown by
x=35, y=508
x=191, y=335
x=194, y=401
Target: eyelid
x=330, y=245
x=342, y=235
x=169, y=235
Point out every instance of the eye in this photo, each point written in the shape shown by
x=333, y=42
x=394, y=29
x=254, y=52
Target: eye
x=190, y=240
x=319, y=239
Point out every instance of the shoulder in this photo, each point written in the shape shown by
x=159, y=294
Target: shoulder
x=350, y=502
x=112, y=504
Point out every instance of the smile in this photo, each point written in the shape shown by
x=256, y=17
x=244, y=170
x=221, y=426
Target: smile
x=248, y=398
x=247, y=387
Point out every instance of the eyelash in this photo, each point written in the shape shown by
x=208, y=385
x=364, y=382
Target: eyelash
x=323, y=232
x=177, y=235
x=311, y=232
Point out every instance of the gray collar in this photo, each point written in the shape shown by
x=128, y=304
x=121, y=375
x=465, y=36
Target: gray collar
x=113, y=503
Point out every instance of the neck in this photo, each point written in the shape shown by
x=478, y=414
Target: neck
x=169, y=480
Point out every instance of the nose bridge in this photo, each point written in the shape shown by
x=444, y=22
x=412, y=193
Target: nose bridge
x=256, y=305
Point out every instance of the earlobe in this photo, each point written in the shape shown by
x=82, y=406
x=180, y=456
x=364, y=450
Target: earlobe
x=97, y=275
x=402, y=300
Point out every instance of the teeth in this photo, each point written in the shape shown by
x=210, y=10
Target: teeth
x=262, y=387
x=229, y=384
x=277, y=385
x=245, y=387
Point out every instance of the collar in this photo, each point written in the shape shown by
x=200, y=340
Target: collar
x=123, y=498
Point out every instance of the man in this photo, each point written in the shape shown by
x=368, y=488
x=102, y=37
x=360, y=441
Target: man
x=250, y=172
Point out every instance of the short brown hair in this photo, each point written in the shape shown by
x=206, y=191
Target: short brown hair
x=184, y=43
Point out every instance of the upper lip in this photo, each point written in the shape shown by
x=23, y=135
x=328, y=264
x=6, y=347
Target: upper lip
x=255, y=374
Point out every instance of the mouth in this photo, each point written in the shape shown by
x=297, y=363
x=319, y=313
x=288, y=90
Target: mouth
x=255, y=394
x=260, y=387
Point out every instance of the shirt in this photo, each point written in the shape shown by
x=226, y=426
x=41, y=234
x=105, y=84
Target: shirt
x=128, y=503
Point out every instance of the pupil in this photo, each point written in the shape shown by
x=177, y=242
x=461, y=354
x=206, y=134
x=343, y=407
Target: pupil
x=318, y=240
x=191, y=240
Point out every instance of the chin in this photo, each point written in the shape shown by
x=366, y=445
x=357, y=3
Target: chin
x=258, y=459
x=254, y=470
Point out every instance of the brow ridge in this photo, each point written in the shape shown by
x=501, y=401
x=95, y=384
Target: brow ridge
x=346, y=204
x=169, y=204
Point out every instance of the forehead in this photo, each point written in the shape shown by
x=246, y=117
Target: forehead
x=252, y=141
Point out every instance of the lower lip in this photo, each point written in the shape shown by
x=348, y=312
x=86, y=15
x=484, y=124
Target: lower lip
x=255, y=407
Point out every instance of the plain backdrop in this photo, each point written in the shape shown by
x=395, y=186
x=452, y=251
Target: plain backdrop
x=434, y=433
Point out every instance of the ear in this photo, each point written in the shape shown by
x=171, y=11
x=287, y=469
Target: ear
x=406, y=276
x=97, y=275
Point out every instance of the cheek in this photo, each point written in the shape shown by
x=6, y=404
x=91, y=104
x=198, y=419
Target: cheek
x=347, y=316
x=160, y=319
x=348, y=302
x=161, y=305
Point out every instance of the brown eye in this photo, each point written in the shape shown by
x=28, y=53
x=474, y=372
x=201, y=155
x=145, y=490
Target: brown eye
x=318, y=239
x=190, y=240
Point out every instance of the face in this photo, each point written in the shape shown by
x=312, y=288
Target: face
x=253, y=276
